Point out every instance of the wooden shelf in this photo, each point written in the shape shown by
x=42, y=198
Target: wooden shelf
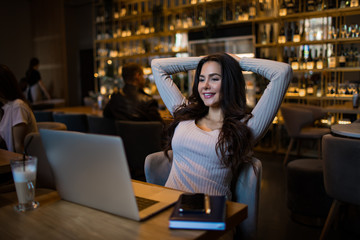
x=145, y=55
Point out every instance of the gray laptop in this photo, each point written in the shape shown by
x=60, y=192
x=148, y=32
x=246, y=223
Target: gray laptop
x=92, y=170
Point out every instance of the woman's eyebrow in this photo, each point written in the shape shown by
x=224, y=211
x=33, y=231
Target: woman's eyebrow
x=211, y=75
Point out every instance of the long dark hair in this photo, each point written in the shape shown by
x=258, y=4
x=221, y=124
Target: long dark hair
x=235, y=138
x=9, y=86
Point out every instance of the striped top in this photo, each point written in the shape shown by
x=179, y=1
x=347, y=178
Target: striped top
x=196, y=166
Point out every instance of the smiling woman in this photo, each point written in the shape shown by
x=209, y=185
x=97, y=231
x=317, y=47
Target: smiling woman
x=212, y=134
x=210, y=84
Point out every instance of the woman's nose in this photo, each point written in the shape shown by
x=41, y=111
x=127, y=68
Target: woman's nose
x=206, y=84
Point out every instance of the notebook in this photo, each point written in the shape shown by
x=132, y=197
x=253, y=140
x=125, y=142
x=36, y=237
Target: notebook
x=92, y=170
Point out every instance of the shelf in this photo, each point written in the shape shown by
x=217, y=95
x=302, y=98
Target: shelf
x=325, y=13
x=338, y=69
x=334, y=97
x=145, y=55
x=316, y=42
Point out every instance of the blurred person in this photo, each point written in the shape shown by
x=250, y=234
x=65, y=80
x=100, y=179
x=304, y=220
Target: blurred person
x=131, y=102
x=17, y=119
x=35, y=90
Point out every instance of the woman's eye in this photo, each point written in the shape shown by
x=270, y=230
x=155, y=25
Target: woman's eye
x=215, y=79
x=201, y=79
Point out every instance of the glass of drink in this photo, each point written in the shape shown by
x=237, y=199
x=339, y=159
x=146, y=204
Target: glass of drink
x=24, y=174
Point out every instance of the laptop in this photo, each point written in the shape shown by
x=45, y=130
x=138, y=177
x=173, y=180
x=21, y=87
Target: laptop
x=92, y=170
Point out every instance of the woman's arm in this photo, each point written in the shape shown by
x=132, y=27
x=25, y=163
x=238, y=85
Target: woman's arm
x=162, y=69
x=279, y=74
x=19, y=133
x=43, y=89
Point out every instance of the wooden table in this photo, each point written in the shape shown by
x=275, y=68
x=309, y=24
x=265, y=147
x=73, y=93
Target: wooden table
x=165, y=115
x=347, y=130
x=342, y=108
x=5, y=157
x=59, y=219
x=80, y=110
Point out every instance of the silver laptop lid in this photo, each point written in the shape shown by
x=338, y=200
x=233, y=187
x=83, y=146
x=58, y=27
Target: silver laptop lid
x=91, y=170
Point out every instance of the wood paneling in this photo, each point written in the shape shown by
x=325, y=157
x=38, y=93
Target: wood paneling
x=50, y=45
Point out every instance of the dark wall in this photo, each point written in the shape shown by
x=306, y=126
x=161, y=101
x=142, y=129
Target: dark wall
x=16, y=45
x=79, y=37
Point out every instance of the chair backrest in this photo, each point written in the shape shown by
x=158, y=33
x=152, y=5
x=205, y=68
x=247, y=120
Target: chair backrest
x=247, y=191
x=51, y=125
x=43, y=116
x=157, y=167
x=74, y=122
x=140, y=139
x=341, y=157
x=296, y=118
x=101, y=125
x=34, y=147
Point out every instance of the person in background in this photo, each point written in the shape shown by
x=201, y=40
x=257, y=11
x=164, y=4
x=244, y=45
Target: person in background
x=35, y=90
x=16, y=117
x=212, y=134
x=131, y=102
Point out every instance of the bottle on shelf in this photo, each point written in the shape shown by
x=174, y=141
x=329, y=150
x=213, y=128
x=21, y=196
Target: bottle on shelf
x=342, y=58
x=281, y=37
x=252, y=9
x=283, y=9
x=286, y=56
x=342, y=4
x=289, y=32
x=303, y=32
x=310, y=5
x=354, y=3
x=263, y=36
x=271, y=34
x=356, y=57
x=294, y=61
x=310, y=61
x=296, y=36
x=302, y=61
x=319, y=60
x=332, y=59
x=290, y=5
x=319, y=5
x=309, y=86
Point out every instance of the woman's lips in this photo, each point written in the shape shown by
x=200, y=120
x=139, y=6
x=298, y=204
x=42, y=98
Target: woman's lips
x=208, y=95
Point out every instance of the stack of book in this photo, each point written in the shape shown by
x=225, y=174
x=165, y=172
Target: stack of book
x=211, y=217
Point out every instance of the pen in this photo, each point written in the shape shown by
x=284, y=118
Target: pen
x=207, y=204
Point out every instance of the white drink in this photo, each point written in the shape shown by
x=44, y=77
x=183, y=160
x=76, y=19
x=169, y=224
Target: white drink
x=23, y=177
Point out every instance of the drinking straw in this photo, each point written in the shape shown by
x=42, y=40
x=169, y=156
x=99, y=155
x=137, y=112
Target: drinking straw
x=25, y=151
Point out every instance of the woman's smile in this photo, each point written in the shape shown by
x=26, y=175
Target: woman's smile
x=210, y=83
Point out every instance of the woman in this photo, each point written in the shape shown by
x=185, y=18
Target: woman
x=17, y=119
x=212, y=135
x=35, y=89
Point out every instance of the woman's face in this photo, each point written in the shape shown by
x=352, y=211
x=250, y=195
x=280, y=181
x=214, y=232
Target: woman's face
x=210, y=84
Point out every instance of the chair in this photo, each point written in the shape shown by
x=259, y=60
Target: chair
x=247, y=191
x=298, y=121
x=51, y=125
x=34, y=147
x=73, y=122
x=140, y=139
x=306, y=197
x=43, y=116
x=101, y=125
x=341, y=174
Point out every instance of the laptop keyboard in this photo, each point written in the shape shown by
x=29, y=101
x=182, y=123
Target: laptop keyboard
x=143, y=203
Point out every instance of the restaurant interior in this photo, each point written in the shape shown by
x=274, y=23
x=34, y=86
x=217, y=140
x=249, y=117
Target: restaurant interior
x=307, y=186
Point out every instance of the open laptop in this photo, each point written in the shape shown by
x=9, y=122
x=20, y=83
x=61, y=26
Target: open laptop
x=92, y=170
